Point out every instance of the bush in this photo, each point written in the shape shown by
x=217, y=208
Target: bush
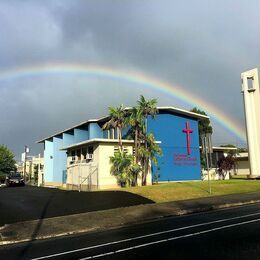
x=7, y=161
x=2, y=177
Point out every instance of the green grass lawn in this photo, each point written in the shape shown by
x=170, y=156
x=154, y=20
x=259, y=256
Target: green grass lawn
x=193, y=189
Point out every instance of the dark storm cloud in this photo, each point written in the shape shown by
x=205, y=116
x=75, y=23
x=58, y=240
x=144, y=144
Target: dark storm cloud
x=200, y=45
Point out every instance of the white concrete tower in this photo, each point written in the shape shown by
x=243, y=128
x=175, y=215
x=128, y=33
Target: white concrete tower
x=251, y=94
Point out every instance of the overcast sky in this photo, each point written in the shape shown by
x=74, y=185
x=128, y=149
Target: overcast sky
x=202, y=46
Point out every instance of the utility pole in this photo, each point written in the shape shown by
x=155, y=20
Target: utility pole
x=26, y=150
x=24, y=167
x=207, y=149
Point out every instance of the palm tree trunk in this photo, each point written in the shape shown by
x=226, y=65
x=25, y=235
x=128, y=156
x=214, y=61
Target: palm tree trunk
x=145, y=172
x=136, y=145
x=136, y=154
x=120, y=139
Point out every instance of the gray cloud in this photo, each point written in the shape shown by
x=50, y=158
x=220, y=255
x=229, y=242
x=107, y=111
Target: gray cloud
x=201, y=46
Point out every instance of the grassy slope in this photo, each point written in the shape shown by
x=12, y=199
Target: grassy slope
x=194, y=189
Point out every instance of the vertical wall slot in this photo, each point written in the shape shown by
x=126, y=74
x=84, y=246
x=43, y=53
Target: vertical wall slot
x=250, y=84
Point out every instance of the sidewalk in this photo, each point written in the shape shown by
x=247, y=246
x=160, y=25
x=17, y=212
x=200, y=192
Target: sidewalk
x=113, y=218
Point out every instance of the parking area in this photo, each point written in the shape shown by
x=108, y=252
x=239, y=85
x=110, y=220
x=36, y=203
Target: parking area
x=28, y=203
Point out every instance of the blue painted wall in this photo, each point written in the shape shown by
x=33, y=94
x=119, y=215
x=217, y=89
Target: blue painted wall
x=175, y=164
x=80, y=135
x=48, y=160
x=68, y=139
x=95, y=131
x=59, y=162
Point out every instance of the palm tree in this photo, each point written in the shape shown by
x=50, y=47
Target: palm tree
x=149, y=154
x=147, y=108
x=122, y=168
x=136, y=121
x=117, y=121
x=146, y=148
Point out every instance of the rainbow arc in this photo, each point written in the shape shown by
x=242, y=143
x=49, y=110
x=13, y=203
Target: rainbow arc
x=136, y=79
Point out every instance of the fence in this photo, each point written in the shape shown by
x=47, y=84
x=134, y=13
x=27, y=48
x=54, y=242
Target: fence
x=82, y=176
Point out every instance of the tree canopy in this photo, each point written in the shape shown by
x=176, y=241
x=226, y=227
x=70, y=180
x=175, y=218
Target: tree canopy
x=117, y=121
x=204, y=124
x=125, y=167
x=225, y=165
x=231, y=151
x=7, y=161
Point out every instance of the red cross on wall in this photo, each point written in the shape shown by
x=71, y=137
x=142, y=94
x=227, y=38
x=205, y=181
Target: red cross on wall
x=188, y=131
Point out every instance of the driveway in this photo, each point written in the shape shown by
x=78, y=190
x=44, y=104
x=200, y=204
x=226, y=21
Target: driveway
x=28, y=203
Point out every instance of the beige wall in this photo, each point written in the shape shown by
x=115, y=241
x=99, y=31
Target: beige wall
x=98, y=168
x=213, y=175
x=31, y=164
x=251, y=96
x=243, y=167
x=106, y=180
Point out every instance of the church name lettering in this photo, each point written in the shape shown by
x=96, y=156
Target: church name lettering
x=184, y=159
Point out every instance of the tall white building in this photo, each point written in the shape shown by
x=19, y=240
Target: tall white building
x=251, y=95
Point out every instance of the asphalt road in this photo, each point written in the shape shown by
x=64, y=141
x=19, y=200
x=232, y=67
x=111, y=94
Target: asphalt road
x=28, y=203
x=223, y=234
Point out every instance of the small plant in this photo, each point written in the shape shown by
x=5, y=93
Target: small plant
x=122, y=168
x=156, y=176
x=225, y=165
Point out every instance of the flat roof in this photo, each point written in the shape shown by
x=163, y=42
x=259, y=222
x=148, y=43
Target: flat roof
x=182, y=112
x=242, y=155
x=75, y=126
x=220, y=148
x=100, y=120
x=99, y=140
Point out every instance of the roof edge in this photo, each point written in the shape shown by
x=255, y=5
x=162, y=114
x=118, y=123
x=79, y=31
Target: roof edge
x=99, y=140
x=173, y=109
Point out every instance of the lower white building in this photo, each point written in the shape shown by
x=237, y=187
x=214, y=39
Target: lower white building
x=243, y=165
x=88, y=164
x=218, y=153
x=33, y=169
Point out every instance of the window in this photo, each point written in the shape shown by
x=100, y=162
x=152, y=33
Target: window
x=250, y=84
x=90, y=150
x=78, y=155
x=116, y=149
x=84, y=153
x=73, y=157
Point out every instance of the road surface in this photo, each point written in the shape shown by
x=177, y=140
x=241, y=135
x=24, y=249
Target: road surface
x=28, y=203
x=223, y=234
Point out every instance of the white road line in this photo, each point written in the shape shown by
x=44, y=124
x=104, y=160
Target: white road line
x=144, y=236
x=170, y=239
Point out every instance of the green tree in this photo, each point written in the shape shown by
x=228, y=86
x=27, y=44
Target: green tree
x=146, y=108
x=136, y=121
x=122, y=168
x=7, y=161
x=242, y=150
x=117, y=121
x=149, y=154
x=231, y=151
x=225, y=165
x=204, y=128
x=204, y=124
x=126, y=169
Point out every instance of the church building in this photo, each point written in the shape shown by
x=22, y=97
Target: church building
x=78, y=157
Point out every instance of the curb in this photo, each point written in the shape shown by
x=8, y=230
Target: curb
x=62, y=226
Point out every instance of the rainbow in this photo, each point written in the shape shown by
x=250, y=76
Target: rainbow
x=135, y=78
